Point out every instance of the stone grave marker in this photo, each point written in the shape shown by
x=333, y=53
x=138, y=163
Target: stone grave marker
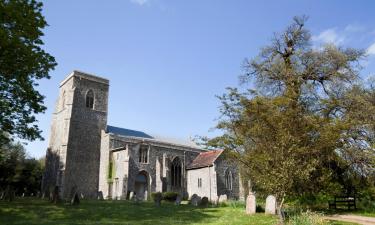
x=270, y=205
x=250, y=204
x=195, y=200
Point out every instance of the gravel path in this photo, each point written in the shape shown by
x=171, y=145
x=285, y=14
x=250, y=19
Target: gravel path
x=364, y=220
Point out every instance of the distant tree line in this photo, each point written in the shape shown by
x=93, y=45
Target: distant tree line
x=20, y=175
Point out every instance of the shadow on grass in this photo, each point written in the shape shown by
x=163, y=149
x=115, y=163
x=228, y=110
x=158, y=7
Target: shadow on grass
x=35, y=211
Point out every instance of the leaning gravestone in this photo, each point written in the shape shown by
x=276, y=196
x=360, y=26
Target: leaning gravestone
x=178, y=200
x=222, y=198
x=250, y=203
x=195, y=200
x=270, y=205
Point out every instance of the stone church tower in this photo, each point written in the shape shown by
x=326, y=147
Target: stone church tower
x=73, y=154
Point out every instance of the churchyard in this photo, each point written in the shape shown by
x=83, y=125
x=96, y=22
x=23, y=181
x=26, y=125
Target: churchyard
x=34, y=211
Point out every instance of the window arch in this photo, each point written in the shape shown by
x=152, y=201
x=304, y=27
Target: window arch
x=90, y=99
x=228, y=179
x=176, y=170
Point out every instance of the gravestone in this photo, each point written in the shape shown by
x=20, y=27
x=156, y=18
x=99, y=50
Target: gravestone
x=222, y=198
x=250, y=204
x=195, y=200
x=270, y=205
x=204, y=202
x=131, y=196
x=178, y=200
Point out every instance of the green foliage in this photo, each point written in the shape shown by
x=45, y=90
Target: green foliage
x=170, y=196
x=110, y=171
x=18, y=172
x=307, y=126
x=307, y=218
x=156, y=196
x=22, y=63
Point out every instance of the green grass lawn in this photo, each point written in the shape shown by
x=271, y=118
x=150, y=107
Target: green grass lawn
x=38, y=212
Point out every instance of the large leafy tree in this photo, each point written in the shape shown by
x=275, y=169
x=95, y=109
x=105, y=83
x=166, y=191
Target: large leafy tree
x=307, y=116
x=22, y=63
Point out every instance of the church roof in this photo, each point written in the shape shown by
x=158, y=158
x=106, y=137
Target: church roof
x=205, y=159
x=127, y=132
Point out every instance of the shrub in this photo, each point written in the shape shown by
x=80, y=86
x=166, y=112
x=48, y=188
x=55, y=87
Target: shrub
x=156, y=196
x=306, y=218
x=170, y=196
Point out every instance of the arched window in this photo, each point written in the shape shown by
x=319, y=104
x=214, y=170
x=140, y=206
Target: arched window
x=90, y=99
x=228, y=180
x=176, y=173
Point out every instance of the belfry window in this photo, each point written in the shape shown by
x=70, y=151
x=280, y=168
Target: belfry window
x=90, y=99
x=228, y=180
x=176, y=172
x=143, y=154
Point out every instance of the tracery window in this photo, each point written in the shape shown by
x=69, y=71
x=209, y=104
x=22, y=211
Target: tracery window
x=228, y=180
x=143, y=154
x=90, y=99
x=176, y=173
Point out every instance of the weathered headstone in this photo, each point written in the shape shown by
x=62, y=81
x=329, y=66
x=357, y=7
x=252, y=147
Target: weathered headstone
x=178, y=200
x=222, y=198
x=204, y=202
x=131, y=196
x=250, y=203
x=195, y=200
x=270, y=205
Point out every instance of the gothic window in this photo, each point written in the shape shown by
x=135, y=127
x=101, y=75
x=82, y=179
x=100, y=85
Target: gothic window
x=228, y=180
x=90, y=99
x=176, y=173
x=143, y=154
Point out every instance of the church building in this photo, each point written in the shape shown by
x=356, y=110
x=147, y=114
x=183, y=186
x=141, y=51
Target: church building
x=87, y=155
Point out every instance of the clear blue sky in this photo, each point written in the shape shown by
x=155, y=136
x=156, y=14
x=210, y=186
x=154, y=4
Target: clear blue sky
x=167, y=59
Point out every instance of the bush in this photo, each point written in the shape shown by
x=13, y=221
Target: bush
x=306, y=218
x=156, y=196
x=170, y=196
